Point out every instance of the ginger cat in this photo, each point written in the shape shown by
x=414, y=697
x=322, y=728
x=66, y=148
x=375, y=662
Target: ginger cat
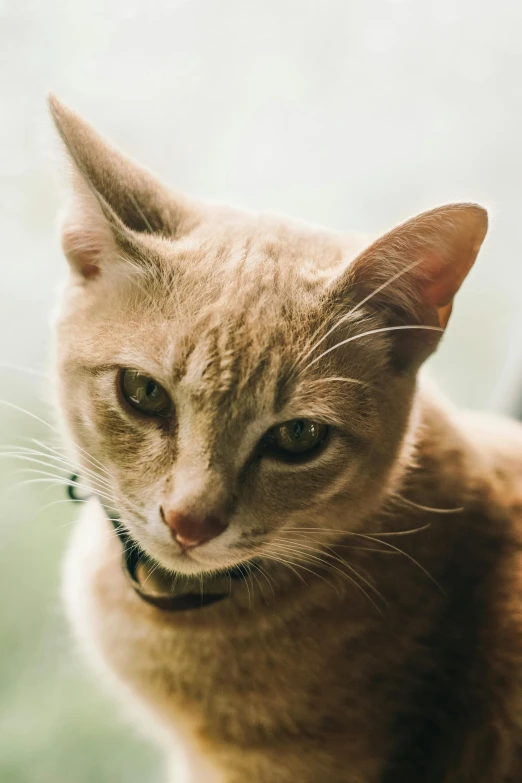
x=322, y=566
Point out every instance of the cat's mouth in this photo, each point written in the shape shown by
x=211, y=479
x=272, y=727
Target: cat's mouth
x=178, y=592
x=167, y=590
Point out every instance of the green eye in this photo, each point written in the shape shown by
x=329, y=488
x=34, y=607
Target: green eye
x=298, y=436
x=144, y=393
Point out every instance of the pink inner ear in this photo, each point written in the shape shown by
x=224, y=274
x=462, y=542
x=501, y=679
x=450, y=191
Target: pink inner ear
x=442, y=277
x=82, y=251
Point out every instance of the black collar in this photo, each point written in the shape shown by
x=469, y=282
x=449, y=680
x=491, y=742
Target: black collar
x=152, y=583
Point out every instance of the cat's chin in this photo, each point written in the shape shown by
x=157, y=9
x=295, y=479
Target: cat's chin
x=187, y=565
x=194, y=563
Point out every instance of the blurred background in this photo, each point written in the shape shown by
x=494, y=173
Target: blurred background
x=352, y=114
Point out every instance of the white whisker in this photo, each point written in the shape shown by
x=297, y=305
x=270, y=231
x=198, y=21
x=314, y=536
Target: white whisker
x=367, y=334
x=334, y=555
x=45, y=423
x=265, y=574
x=30, y=455
x=406, y=555
x=350, y=533
x=356, y=307
x=53, y=479
x=97, y=488
x=284, y=562
x=338, y=379
x=277, y=549
x=96, y=464
x=19, y=368
x=314, y=558
x=431, y=509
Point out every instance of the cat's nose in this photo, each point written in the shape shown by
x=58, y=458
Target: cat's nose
x=190, y=531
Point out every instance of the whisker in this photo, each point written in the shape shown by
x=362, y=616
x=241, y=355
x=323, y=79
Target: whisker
x=381, y=330
x=110, y=534
x=376, y=539
x=350, y=533
x=140, y=211
x=346, y=317
x=42, y=421
x=339, y=379
x=56, y=480
x=20, y=368
x=384, y=285
x=284, y=562
x=406, y=555
x=245, y=581
x=263, y=573
x=93, y=484
x=56, y=503
x=251, y=580
x=155, y=567
x=431, y=509
x=27, y=413
x=332, y=554
x=253, y=576
x=29, y=455
x=310, y=561
x=329, y=566
x=90, y=459
x=346, y=546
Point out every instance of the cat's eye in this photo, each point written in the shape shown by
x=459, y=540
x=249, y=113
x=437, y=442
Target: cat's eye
x=296, y=437
x=144, y=394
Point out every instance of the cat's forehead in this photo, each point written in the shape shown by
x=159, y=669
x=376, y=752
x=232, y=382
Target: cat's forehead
x=233, y=283
x=250, y=269
x=248, y=287
x=242, y=242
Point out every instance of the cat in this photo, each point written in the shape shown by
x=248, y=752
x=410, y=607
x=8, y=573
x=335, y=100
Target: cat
x=322, y=563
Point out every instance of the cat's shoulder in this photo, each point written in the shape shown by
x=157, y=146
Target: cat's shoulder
x=477, y=455
x=499, y=441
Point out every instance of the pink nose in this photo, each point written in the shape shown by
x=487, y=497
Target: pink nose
x=190, y=531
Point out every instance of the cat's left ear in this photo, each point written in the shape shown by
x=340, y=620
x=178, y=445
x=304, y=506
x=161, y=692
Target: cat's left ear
x=412, y=273
x=114, y=202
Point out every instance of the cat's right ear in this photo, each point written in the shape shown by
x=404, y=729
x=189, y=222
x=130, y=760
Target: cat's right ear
x=412, y=274
x=113, y=203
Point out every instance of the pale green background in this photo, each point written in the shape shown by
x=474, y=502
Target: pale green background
x=354, y=114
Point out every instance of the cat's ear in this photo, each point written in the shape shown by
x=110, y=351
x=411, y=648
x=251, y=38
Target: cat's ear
x=413, y=272
x=113, y=200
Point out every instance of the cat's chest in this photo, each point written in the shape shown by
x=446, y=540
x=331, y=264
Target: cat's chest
x=189, y=763
x=208, y=692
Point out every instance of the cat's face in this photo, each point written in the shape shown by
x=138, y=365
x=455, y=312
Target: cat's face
x=234, y=380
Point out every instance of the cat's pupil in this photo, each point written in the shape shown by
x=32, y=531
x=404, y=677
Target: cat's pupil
x=152, y=389
x=298, y=429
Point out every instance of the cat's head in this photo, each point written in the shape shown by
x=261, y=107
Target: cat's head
x=230, y=379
